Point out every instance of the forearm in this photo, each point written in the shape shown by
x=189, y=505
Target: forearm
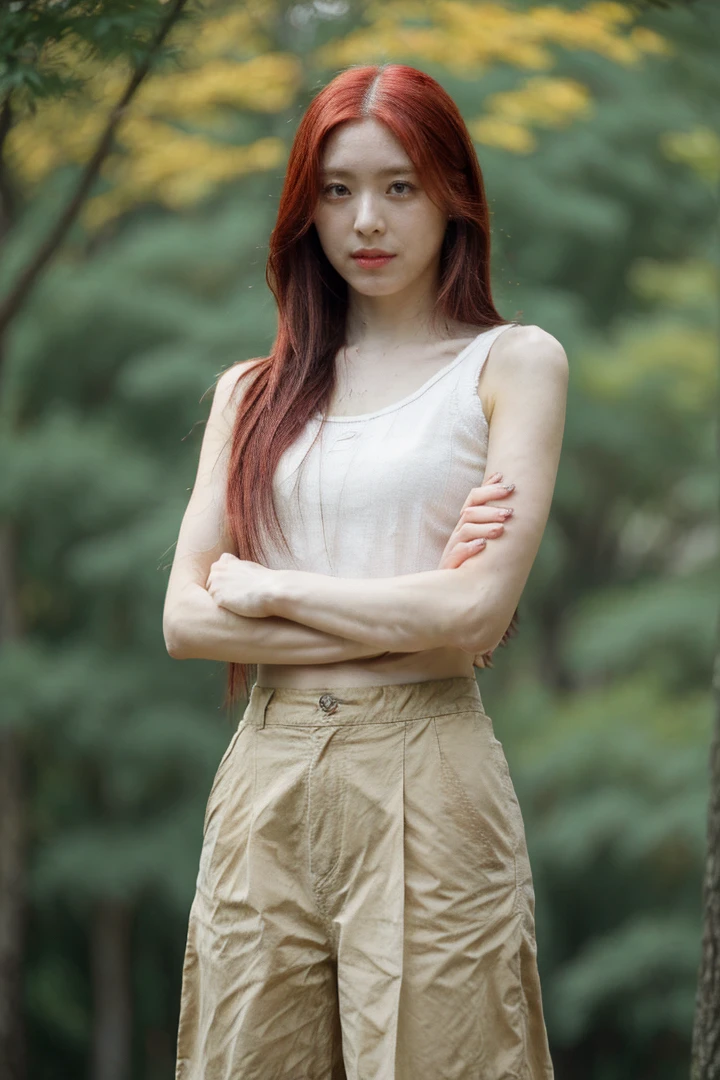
x=408, y=613
x=201, y=630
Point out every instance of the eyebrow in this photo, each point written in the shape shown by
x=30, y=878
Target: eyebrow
x=381, y=172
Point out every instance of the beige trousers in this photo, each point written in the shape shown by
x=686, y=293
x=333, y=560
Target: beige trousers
x=364, y=907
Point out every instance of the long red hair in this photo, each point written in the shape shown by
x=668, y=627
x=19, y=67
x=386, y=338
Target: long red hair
x=288, y=387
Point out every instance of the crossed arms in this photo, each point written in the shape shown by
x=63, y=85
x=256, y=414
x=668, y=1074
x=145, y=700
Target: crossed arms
x=316, y=619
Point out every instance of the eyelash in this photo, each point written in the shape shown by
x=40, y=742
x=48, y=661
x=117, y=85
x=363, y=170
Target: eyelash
x=406, y=184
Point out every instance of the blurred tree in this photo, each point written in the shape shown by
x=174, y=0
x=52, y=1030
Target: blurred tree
x=249, y=68
x=147, y=309
x=181, y=117
x=34, y=64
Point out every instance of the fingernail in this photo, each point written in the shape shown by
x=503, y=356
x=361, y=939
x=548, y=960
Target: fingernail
x=509, y=487
x=477, y=543
x=495, y=477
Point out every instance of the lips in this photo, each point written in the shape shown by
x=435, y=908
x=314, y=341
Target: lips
x=371, y=261
x=373, y=254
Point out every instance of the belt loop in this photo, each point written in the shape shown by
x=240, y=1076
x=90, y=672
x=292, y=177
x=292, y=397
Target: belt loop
x=260, y=697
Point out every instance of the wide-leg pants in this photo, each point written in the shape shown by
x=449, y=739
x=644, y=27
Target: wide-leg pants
x=364, y=907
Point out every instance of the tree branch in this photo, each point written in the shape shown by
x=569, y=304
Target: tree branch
x=7, y=201
x=28, y=277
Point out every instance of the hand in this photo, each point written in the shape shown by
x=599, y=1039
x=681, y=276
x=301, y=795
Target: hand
x=242, y=586
x=478, y=522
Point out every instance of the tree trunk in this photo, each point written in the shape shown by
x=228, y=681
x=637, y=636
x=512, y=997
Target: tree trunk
x=706, y=1030
x=112, y=993
x=27, y=279
x=12, y=801
x=12, y=847
x=705, y=1053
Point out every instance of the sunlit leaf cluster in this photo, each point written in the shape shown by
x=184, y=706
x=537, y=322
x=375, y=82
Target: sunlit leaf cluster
x=194, y=127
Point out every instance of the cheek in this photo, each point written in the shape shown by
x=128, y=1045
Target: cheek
x=327, y=219
x=424, y=236
x=329, y=233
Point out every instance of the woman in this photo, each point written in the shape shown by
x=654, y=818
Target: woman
x=364, y=905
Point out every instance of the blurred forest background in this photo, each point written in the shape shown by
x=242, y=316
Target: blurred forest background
x=598, y=132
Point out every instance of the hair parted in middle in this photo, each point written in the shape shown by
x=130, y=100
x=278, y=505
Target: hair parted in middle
x=296, y=380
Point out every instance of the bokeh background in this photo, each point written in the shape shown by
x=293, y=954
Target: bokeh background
x=598, y=132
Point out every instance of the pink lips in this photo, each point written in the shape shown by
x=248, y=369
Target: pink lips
x=372, y=260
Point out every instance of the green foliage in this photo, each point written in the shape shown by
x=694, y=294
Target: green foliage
x=35, y=62
x=602, y=701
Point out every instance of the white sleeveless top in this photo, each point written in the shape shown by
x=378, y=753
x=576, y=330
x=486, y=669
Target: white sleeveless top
x=379, y=494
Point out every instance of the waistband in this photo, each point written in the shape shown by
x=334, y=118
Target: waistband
x=286, y=706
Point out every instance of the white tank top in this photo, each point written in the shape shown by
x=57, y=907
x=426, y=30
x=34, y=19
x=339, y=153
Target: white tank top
x=379, y=494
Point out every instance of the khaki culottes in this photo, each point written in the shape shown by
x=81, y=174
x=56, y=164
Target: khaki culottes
x=364, y=907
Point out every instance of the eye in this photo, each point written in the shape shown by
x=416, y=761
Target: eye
x=396, y=183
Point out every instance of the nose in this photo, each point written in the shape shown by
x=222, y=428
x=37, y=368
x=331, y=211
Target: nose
x=368, y=217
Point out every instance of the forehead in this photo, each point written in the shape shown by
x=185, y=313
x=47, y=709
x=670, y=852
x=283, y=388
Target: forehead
x=390, y=170
x=364, y=147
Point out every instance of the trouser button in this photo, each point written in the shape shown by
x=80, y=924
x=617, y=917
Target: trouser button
x=328, y=703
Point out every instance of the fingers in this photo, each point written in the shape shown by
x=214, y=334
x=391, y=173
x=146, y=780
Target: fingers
x=470, y=531
x=461, y=552
x=486, y=492
x=477, y=524
x=478, y=521
x=480, y=514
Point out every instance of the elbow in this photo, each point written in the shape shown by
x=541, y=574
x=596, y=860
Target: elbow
x=476, y=632
x=483, y=637
x=477, y=641
x=174, y=643
x=182, y=622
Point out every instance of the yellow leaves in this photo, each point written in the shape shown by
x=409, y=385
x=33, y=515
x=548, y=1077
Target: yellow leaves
x=551, y=102
x=38, y=145
x=682, y=354
x=466, y=37
x=176, y=169
x=462, y=36
x=502, y=133
x=157, y=160
x=230, y=67
x=596, y=28
x=227, y=69
x=650, y=42
x=691, y=285
x=478, y=35
x=265, y=83
x=699, y=148
x=678, y=353
x=232, y=30
x=540, y=100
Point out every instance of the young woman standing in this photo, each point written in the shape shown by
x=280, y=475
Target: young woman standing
x=364, y=907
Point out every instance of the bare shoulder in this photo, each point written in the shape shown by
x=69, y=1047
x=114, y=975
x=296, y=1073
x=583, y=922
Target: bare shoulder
x=229, y=387
x=528, y=346
x=524, y=356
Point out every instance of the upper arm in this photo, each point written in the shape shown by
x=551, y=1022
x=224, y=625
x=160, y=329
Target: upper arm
x=524, y=443
x=203, y=535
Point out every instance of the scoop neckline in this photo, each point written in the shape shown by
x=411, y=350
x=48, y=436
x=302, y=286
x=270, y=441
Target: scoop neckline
x=415, y=393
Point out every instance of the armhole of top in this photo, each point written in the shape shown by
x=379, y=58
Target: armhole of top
x=480, y=360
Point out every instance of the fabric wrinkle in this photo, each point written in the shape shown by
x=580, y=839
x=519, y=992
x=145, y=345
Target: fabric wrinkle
x=476, y=819
x=422, y=454
x=357, y=913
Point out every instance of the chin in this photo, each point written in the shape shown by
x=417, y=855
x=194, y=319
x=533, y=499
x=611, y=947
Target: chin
x=385, y=289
